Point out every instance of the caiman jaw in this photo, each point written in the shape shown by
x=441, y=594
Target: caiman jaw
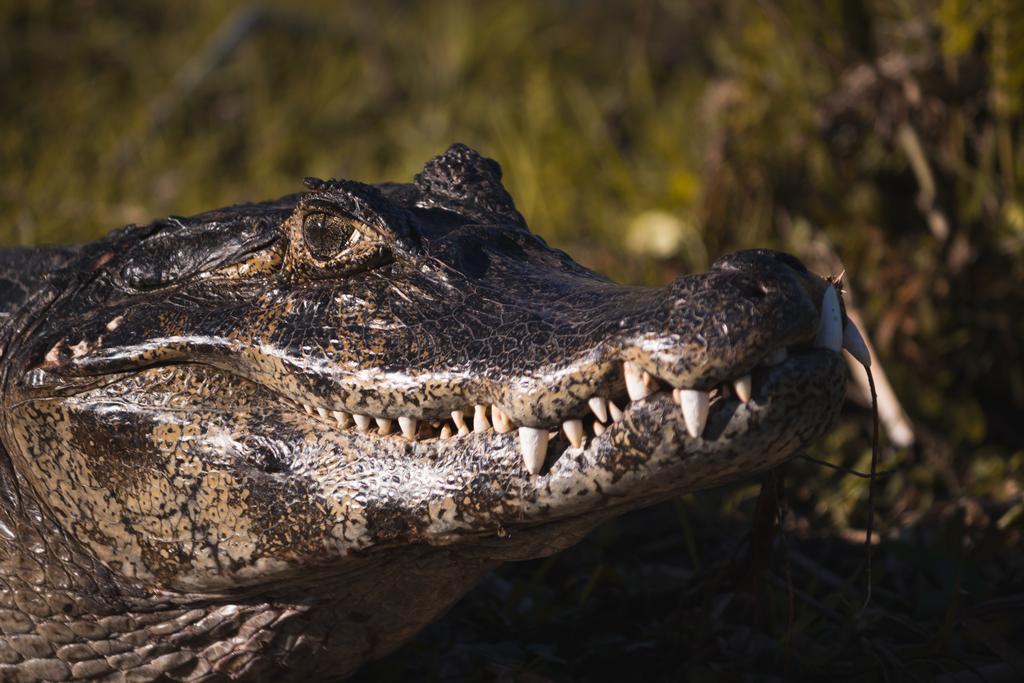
x=543, y=446
x=592, y=425
x=587, y=419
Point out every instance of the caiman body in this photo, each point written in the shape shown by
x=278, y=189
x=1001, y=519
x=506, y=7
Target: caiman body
x=275, y=440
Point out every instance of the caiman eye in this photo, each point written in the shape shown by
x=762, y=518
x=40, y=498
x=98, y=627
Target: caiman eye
x=326, y=235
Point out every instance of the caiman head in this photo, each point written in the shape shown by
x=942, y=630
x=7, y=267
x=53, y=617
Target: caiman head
x=289, y=399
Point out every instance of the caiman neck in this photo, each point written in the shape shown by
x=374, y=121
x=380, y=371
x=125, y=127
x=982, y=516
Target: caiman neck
x=65, y=615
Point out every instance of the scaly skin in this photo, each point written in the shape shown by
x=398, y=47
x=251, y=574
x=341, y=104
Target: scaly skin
x=184, y=495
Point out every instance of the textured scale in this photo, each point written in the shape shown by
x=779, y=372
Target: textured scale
x=184, y=495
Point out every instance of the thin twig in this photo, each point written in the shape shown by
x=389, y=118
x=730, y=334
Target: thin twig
x=871, y=487
x=848, y=470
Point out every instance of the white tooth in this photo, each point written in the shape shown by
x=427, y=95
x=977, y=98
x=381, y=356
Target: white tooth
x=743, y=387
x=775, y=357
x=695, y=410
x=322, y=412
x=342, y=418
x=459, y=418
x=615, y=412
x=853, y=342
x=574, y=430
x=409, y=426
x=599, y=406
x=533, y=443
x=599, y=428
x=362, y=422
x=480, y=423
x=446, y=432
x=502, y=422
x=639, y=383
x=830, y=329
x=384, y=426
x=308, y=408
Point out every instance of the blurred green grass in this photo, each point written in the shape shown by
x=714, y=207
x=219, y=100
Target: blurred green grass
x=645, y=138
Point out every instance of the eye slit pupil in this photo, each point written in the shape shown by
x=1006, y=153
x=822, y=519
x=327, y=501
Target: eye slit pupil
x=326, y=234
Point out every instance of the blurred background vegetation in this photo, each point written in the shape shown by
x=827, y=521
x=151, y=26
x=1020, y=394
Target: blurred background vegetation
x=645, y=138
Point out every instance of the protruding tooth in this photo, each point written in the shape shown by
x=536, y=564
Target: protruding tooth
x=853, y=342
x=362, y=422
x=695, y=409
x=743, y=387
x=533, y=443
x=502, y=422
x=615, y=412
x=830, y=328
x=308, y=408
x=341, y=418
x=459, y=418
x=409, y=427
x=599, y=428
x=384, y=425
x=322, y=412
x=480, y=423
x=446, y=432
x=775, y=357
x=639, y=383
x=574, y=431
x=599, y=406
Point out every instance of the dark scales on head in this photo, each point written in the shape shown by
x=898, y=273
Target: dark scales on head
x=277, y=439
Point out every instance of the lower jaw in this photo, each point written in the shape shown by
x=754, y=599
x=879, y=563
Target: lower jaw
x=646, y=458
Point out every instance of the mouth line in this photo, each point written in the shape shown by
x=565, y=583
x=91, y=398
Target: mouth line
x=592, y=422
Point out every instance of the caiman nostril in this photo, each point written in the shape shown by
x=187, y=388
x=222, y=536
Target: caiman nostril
x=750, y=290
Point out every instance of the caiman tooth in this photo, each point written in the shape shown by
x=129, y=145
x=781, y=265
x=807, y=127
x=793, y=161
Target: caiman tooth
x=775, y=357
x=695, y=409
x=599, y=406
x=639, y=383
x=480, y=423
x=533, y=443
x=342, y=419
x=446, y=432
x=743, y=387
x=308, y=408
x=615, y=412
x=409, y=427
x=574, y=431
x=830, y=328
x=322, y=412
x=362, y=422
x=459, y=418
x=384, y=425
x=853, y=341
x=599, y=429
x=502, y=422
